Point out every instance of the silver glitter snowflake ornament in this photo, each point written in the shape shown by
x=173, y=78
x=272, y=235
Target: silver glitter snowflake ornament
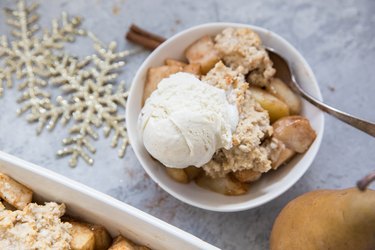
x=89, y=99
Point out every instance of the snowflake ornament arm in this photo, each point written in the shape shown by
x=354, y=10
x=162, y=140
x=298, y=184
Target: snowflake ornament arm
x=113, y=122
x=117, y=123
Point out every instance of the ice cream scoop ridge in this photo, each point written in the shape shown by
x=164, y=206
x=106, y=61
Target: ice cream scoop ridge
x=186, y=120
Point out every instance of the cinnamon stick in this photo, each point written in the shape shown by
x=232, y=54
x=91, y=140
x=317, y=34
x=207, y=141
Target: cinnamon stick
x=141, y=40
x=145, y=33
x=144, y=38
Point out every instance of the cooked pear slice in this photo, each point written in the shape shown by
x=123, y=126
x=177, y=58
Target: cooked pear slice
x=278, y=153
x=177, y=174
x=284, y=156
x=102, y=238
x=173, y=62
x=82, y=236
x=295, y=132
x=203, y=52
x=223, y=185
x=275, y=107
x=284, y=93
x=193, y=172
x=247, y=175
x=120, y=243
x=193, y=68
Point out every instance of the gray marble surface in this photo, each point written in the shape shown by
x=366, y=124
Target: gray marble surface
x=336, y=37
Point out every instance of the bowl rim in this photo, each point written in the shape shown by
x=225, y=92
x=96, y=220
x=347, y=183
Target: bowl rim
x=245, y=205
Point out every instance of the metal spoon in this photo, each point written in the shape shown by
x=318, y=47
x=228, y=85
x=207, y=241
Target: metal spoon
x=283, y=71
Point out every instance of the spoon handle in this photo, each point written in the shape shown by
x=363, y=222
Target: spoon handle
x=365, y=126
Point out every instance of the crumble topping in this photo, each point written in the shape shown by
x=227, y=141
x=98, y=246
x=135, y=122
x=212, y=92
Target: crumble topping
x=34, y=227
x=252, y=128
x=247, y=151
x=229, y=80
x=242, y=50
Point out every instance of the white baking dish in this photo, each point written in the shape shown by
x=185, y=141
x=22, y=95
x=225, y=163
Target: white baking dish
x=95, y=207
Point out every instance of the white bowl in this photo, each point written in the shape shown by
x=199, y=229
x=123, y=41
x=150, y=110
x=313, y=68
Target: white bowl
x=270, y=185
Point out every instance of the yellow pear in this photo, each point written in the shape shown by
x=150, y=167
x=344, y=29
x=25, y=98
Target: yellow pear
x=327, y=219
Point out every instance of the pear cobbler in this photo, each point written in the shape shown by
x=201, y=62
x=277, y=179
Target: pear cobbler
x=222, y=118
x=27, y=225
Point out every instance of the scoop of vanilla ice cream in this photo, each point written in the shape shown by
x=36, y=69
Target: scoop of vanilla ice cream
x=186, y=120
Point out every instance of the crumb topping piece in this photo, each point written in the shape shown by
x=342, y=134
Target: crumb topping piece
x=229, y=80
x=242, y=50
x=34, y=227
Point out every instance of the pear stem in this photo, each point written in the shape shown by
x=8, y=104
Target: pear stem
x=366, y=181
